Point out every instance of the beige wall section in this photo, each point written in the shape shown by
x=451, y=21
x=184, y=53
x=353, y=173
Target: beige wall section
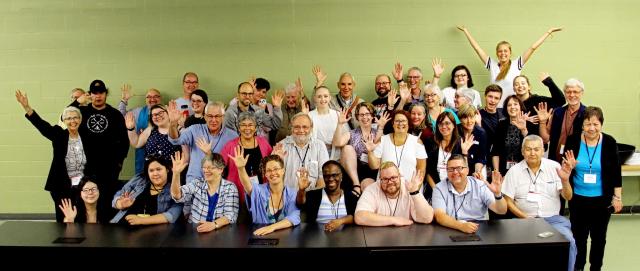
x=49, y=47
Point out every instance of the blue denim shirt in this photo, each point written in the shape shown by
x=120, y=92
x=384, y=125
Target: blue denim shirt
x=166, y=205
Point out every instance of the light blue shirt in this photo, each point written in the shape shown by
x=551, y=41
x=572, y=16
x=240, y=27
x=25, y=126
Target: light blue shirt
x=190, y=135
x=585, y=155
x=471, y=204
x=258, y=203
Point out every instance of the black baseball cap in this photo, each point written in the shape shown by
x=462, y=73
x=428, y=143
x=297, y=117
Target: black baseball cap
x=97, y=86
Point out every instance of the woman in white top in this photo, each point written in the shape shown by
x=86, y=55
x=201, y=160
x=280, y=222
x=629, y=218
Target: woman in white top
x=325, y=120
x=399, y=147
x=460, y=80
x=504, y=70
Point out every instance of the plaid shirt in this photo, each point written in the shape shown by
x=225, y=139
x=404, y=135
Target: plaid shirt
x=197, y=191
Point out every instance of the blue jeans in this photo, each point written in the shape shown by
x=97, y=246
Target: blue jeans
x=562, y=224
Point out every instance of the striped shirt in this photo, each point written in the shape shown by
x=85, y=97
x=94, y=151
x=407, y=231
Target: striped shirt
x=197, y=193
x=329, y=211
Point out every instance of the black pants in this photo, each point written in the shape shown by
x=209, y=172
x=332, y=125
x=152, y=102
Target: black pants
x=590, y=216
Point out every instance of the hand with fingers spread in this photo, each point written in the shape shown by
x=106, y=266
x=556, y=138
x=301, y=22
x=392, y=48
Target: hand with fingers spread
x=405, y=93
x=343, y=116
x=369, y=143
x=23, y=101
x=392, y=98
x=543, y=114
x=174, y=112
x=304, y=106
x=303, y=179
x=467, y=143
x=496, y=183
x=416, y=181
x=382, y=120
x=252, y=81
x=68, y=210
x=179, y=162
x=239, y=158
x=397, y=72
x=204, y=145
x=126, y=92
x=299, y=88
x=279, y=151
x=277, y=98
x=438, y=67
x=521, y=121
x=125, y=201
x=569, y=162
x=320, y=75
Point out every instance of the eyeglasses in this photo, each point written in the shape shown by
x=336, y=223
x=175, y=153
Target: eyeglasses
x=382, y=83
x=90, y=190
x=72, y=118
x=460, y=75
x=413, y=77
x=247, y=125
x=197, y=101
x=301, y=127
x=210, y=168
x=458, y=169
x=330, y=176
x=400, y=121
x=209, y=116
x=190, y=82
x=153, y=97
x=364, y=115
x=446, y=123
x=246, y=93
x=390, y=179
x=155, y=115
x=430, y=95
x=272, y=170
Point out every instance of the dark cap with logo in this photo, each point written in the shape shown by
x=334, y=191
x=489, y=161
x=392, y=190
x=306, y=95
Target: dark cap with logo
x=97, y=86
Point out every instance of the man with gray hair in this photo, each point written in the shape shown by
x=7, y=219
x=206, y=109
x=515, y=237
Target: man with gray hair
x=533, y=188
x=302, y=152
x=266, y=122
x=198, y=137
x=414, y=81
x=293, y=104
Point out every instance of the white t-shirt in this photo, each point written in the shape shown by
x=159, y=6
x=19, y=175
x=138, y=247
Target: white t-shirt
x=324, y=126
x=507, y=82
x=405, y=156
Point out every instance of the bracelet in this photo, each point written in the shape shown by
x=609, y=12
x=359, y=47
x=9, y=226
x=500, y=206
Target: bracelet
x=414, y=192
x=131, y=129
x=215, y=225
x=398, y=81
x=357, y=185
x=499, y=197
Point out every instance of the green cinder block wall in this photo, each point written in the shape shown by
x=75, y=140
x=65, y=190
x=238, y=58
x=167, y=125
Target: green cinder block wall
x=49, y=47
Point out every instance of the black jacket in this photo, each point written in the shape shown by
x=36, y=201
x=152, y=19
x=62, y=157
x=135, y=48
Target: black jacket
x=312, y=204
x=611, y=171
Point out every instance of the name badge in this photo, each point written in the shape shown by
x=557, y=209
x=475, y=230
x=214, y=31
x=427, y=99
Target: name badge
x=510, y=164
x=254, y=180
x=562, y=149
x=533, y=197
x=75, y=180
x=589, y=178
x=364, y=158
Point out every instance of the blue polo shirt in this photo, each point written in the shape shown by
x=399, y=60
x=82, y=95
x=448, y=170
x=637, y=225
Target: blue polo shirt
x=471, y=204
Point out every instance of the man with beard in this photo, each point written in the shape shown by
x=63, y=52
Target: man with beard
x=385, y=102
x=393, y=201
x=300, y=150
x=246, y=92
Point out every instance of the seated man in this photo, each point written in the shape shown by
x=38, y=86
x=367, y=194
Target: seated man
x=393, y=201
x=462, y=198
x=533, y=187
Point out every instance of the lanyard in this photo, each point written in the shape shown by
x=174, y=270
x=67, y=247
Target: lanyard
x=206, y=132
x=389, y=204
x=594, y=151
x=533, y=181
x=302, y=159
x=395, y=148
x=456, y=209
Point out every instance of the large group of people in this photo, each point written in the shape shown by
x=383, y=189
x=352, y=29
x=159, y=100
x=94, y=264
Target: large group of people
x=415, y=154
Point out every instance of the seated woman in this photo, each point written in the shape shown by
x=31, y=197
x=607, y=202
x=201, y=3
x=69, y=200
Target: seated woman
x=86, y=209
x=330, y=206
x=143, y=200
x=69, y=159
x=215, y=200
x=270, y=203
x=354, y=153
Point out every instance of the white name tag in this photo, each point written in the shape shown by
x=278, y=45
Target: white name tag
x=533, y=197
x=562, y=149
x=364, y=158
x=510, y=164
x=75, y=180
x=589, y=178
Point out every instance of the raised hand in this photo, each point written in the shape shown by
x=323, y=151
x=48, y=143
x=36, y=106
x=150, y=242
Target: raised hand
x=543, y=114
x=320, y=75
x=568, y=164
x=397, y=72
x=382, y=120
x=438, y=67
x=239, y=157
x=369, y=142
x=543, y=75
x=23, y=100
x=343, y=116
x=179, y=162
x=392, y=98
x=303, y=179
x=126, y=92
x=69, y=210
x=174, y=112
x=252, y=81
x=304, y=105
x=130, y=121
x=279, y=151
x=204, y=145
x=467, y=143
x=299, y=87
x=521, y=121
x=554, y=29
x=277, y=98
x=126, y=200
x=405, y=93
x=416, y=181
x=496, y=182
x=462, y=28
